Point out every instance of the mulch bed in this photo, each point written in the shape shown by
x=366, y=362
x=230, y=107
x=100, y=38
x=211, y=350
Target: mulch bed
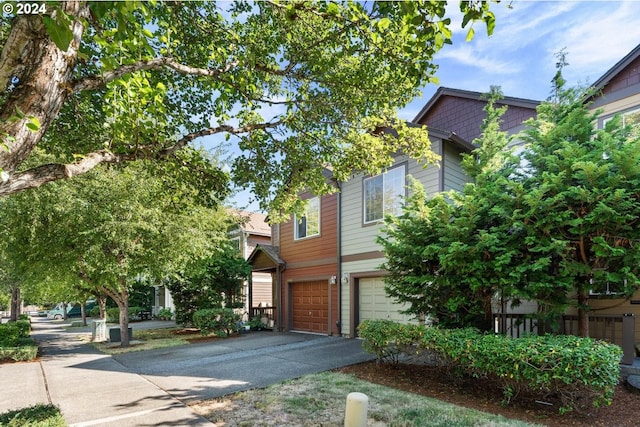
x=433, y=382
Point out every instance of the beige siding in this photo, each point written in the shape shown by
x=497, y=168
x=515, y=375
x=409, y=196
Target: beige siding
x=454, y=177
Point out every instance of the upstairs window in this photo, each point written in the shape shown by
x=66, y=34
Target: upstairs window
x=383, y=194
x=629, y=118
x=308, y=225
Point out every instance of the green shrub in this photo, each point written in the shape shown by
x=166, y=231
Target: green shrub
x=12, y=332
x=164, y=314
x=113, y=314
x=221, y=321
x=94, y=311
x=581, y=372
x=34, y=416
x=26, y=349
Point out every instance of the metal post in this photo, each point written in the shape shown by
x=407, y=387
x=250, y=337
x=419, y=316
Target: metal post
x=628, y=338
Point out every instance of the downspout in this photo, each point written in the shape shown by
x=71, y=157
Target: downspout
x=339, y=260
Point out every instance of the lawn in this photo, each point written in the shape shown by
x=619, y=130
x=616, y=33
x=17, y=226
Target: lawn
x=320, y=399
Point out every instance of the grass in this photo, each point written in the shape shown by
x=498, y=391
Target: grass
x=33, y=416
x=320, y=399
x=145, y=339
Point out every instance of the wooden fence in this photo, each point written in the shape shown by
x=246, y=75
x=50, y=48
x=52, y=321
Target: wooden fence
x=616, y=329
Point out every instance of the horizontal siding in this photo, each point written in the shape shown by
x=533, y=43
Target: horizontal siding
x=323, y=246
x=359, y=238
x=349, y=268
x=454, y=176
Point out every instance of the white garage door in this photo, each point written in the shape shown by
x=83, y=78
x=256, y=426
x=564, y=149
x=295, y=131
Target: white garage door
x=376, y=305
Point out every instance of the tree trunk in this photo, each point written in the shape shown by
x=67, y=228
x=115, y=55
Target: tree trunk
x=41, y=72
x=83, y=314
x=102, y=303
x=583, y=313
x=16, y=303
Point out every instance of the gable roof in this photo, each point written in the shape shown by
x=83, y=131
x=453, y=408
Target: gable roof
x=617, y=68
x=265, y=258
x=254, y=223
x=476, y=96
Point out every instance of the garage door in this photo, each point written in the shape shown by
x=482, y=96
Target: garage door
x=375, y=304
x=310, y=306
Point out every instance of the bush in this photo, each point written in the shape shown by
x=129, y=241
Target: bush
x=35, y=416
x=221, y=321
x=164, y=314
x=12, y=332
x=113, y=314
x=94, y=311
x=582, y=372
x=25, y=350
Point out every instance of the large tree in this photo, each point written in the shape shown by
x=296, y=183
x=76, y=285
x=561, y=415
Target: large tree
x=106, y=82
x=110, y=227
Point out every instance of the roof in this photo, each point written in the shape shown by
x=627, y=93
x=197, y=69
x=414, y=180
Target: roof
x=265, y=258
x=254, y=223
x=616, y=69
x=476, y=96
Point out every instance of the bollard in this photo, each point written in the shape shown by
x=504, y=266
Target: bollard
x=356, y=412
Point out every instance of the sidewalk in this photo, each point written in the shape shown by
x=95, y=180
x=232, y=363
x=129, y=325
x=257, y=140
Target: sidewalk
x=91, y=388
x=149, y=388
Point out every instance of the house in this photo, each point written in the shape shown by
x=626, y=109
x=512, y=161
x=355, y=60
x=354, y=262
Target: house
x=325, y=263
x=617, y=93
x=453, y=118
x=253, y=230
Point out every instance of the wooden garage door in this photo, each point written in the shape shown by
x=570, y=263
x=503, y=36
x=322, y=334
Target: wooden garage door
x=374, y=304
x=310, y=306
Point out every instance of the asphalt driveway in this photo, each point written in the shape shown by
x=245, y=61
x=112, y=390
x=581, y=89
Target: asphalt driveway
x=206, y=370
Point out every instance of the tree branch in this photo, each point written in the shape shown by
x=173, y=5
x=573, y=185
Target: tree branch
x=39, y=175
x=96, y=82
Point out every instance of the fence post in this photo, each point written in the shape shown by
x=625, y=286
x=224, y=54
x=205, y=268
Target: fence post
x=628, y=338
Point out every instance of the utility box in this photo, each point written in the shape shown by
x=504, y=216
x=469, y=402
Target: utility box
x=98, y=331
x=114, y=334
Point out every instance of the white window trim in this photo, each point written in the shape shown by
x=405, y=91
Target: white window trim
x=622, y=114
x=364, y=193
x=295, y=222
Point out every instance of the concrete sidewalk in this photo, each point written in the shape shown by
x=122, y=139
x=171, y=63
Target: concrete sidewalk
x=91, y=388
x=150, y=388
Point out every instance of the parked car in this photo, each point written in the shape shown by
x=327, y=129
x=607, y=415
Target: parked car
x=73, y=310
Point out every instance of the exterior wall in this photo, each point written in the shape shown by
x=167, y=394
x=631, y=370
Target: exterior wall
x=454, y=177
x=465, y=116
x=312, y=259
x=361, y=256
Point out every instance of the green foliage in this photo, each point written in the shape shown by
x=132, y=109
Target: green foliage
x=11, y=333
x=302, y=82
x=220, y=321
x=39, y=415
x=113, y=314
x=164, y=314
x=26, y=349
x=214, y=282
x=94, y=311
x=446, y=254
x=581, y=371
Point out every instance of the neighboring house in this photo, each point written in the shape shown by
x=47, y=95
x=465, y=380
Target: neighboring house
x=325, y=264
x=618, y=92
x=253, y=230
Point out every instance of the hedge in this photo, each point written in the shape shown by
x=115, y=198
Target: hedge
x=15, y=343
x=220, y=321
x=581, y=372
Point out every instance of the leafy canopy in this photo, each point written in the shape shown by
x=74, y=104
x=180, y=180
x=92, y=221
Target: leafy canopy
x=300, y=84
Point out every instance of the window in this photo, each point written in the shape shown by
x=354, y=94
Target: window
x=383, y=194
x=309, y=224
x=603, y=287
x=629, y=118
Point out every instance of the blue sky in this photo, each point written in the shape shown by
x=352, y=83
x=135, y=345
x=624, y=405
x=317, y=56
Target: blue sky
x=520, y=56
